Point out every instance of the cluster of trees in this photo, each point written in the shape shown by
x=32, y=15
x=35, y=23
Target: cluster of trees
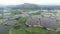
x=27, y=6
x=14, y=12
x=20, y=21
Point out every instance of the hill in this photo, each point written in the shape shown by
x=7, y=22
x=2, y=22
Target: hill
x=28, y=6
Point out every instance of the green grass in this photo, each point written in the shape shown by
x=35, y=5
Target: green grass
x=29, y=30
x=1, y=17
x=20, y=31
x=23, y=30
x=36, y=29
x=22, y=20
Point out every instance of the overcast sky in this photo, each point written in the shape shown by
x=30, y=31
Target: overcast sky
x=40, y=2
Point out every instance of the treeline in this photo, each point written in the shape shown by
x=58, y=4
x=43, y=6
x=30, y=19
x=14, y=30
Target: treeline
x=28, y=6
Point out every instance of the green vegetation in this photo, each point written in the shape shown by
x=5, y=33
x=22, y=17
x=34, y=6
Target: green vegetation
x=30, y=30
x=14, y=12
x=37, y=13
x=59, y=32
x=22, y=20
x=1, y=17
x=28, y=6
x=21, y=28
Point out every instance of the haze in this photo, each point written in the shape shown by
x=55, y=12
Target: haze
x=40, y=2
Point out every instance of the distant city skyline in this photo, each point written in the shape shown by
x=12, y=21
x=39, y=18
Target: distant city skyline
x=39, y=2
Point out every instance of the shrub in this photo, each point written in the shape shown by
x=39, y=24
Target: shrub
x=22, y=20
x=16, y=26
x=59, y=32
x=44, y=27
x=1, y=17
x=27, y=25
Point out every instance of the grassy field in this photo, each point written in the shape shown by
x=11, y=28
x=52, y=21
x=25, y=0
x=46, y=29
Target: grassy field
x=30, y=30
x=1, y=17
x=22, y=20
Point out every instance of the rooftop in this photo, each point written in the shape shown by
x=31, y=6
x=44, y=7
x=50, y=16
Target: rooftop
x=45, y=22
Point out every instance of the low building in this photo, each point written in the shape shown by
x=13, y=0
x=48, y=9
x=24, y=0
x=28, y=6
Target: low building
x=42, y=21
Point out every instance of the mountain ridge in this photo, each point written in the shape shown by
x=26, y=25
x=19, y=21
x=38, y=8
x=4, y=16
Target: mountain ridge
x=28, y=6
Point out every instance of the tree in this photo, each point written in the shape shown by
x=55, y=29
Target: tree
x=16, y=26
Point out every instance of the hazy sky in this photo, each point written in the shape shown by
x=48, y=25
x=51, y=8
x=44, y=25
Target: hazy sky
x=41, y=2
